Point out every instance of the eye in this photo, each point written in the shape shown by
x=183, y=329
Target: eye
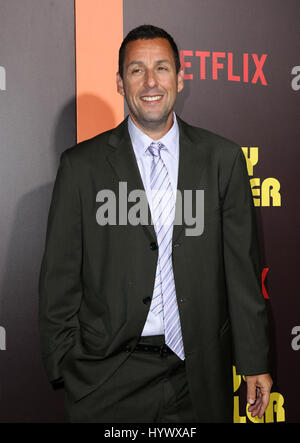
x=136, y=71
x=162, y=68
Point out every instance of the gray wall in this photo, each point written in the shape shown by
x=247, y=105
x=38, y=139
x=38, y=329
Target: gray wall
x=37, y=122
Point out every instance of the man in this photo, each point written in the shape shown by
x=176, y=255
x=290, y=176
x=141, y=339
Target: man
x=138, y=320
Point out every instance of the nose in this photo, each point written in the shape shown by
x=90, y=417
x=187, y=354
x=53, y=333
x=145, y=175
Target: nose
x=150, y=79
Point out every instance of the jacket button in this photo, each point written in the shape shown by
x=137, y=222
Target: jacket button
x=146, y=300
x=153, y=245
x=176, y=245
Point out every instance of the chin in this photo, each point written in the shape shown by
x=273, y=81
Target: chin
x=158, y=118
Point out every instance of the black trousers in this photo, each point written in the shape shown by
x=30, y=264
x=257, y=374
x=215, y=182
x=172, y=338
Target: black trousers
x=146, y=388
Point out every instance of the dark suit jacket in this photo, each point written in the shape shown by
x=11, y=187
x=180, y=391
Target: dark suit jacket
x=95, y=280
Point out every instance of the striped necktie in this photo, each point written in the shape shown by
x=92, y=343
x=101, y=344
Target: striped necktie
x=163, y=214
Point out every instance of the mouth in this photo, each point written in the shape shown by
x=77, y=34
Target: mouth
x=151, y=98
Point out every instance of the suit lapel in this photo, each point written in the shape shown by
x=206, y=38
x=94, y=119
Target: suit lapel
x=192, y=160
x=124, y=163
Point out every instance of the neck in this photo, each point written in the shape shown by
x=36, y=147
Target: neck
x=153, y=129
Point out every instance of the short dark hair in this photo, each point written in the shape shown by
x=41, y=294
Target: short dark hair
x=147, y=32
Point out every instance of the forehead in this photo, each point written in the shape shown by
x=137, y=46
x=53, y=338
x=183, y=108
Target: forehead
x=148, y=50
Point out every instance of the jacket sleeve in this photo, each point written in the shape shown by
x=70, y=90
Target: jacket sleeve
x=247, y=306
x=60, y=288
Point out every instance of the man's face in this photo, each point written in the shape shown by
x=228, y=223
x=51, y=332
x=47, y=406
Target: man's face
x=150, y=83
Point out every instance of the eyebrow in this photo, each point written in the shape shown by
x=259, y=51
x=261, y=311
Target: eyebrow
x=139, y=62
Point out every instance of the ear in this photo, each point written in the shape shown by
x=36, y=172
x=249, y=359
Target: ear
x=180, y=82
x=120, y=87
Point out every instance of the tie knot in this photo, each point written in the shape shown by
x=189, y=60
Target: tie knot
x=155, y=148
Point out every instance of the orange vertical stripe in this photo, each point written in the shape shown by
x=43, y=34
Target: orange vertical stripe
x=98, y=34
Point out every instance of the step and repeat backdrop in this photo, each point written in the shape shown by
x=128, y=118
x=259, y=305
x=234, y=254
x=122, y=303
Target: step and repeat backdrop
x=58, y=62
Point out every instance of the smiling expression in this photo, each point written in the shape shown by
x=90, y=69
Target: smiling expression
x=150, y=83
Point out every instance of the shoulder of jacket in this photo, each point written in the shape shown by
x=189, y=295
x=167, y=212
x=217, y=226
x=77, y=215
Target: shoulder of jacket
x=82, y=151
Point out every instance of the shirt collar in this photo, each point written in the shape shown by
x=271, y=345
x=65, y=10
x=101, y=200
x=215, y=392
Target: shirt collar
x=141, y=141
